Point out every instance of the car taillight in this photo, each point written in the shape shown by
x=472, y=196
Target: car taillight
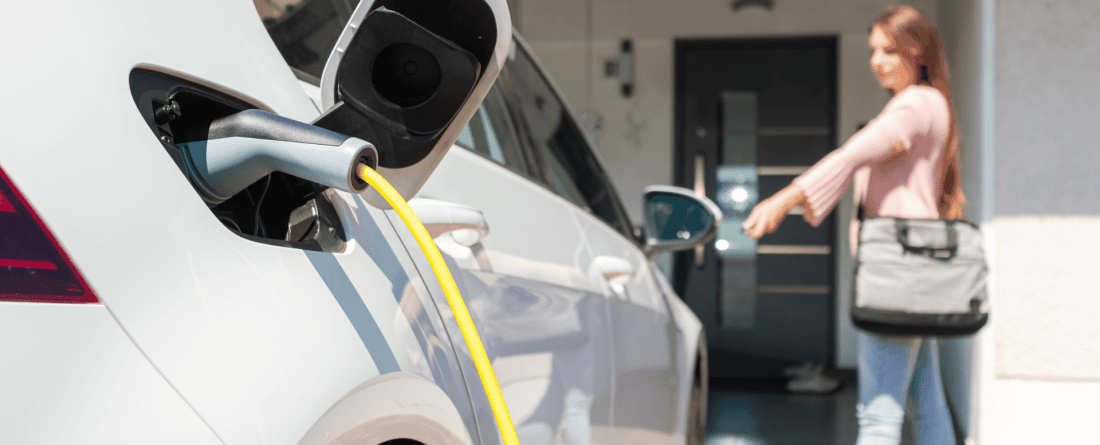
x=32, y=265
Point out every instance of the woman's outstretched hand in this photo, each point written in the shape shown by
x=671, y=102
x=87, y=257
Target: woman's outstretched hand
x=764, y=219
x=769, y=213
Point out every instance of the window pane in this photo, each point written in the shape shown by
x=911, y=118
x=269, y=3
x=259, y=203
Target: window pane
x=466, y=138
x=491, y=133
x=573, y=170
x=737, y=195
x=562, y=181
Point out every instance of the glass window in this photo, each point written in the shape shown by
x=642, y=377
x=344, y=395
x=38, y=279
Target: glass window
x=571, y=168
x=492, y=133
x=466, y=138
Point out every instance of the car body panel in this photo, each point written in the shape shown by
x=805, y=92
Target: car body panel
x=542, y=319
x=222, y=317
x=646, y=346
x=73, y=376
x=394, y=405
x=692, y=352
x=531, y=232
x=654, y=351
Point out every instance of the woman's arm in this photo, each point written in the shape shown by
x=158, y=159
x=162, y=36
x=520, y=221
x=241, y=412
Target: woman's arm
x=821, y=187
x=769, y=213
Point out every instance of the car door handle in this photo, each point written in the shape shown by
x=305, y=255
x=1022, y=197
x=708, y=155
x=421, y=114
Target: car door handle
x=466, y=224
x=613, y=270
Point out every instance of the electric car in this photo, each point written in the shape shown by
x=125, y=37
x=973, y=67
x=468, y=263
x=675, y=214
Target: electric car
x=183, y=261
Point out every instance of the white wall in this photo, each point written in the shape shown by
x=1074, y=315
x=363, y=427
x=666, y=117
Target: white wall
x=637, y=137
x=1040, y=372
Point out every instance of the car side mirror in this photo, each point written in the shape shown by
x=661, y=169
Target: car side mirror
x=676, y=219
x=407, y=76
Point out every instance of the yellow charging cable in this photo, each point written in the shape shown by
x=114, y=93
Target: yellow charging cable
x=450, y=289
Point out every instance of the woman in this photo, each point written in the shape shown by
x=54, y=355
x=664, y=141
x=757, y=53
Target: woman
x=904, y=163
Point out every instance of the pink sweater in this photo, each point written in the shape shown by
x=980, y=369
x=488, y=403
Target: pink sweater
x=890, y=182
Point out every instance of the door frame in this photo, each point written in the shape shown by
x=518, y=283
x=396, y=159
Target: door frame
x=681, y=46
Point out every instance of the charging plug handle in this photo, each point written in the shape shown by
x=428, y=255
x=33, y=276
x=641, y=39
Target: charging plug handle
x=244, y=147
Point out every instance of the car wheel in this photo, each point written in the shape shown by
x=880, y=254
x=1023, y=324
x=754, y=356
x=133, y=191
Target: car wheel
x=696, y=432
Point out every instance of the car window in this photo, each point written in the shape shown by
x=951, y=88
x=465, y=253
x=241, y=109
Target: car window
x=568, y=163
x=492, y=133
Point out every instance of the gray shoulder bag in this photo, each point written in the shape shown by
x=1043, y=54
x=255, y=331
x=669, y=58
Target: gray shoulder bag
x=920, y=277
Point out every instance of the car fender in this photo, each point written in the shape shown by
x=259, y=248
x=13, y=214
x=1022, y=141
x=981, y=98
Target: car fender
x=397, y=405
x=689, y=324
x=693, y=343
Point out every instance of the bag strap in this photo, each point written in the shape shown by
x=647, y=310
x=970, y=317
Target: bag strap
x=942, y=253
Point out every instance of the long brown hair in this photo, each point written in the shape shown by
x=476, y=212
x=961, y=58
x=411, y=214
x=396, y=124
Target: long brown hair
x=910, y=29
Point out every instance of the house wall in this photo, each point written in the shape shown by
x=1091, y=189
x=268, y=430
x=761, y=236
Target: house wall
x=1040, y=372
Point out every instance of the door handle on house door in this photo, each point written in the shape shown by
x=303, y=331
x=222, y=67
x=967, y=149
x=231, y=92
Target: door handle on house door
x=700, y=191
x=466, y=224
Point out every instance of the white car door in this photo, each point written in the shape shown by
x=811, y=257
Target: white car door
x=647, y=400
x=541, y=316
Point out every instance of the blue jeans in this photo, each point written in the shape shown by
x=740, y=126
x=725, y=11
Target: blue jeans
x=890, y=368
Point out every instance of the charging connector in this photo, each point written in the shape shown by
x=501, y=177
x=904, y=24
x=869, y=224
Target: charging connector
x=244, y=147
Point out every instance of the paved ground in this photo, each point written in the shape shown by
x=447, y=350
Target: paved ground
x=765, y=414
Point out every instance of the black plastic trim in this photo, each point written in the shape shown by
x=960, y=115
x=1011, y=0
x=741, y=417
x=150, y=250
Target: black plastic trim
x=201, y=102
x=470, y=24
x=900, y=323
x=359, y=82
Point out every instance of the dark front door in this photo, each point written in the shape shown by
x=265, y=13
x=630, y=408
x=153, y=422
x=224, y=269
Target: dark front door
x=750, y=116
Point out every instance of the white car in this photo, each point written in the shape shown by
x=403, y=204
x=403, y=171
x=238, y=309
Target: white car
x=144, y=299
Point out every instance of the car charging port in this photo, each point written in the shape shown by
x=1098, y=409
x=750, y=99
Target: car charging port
x=264, y=177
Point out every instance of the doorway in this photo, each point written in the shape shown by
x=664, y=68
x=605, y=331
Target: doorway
x=751, y=115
